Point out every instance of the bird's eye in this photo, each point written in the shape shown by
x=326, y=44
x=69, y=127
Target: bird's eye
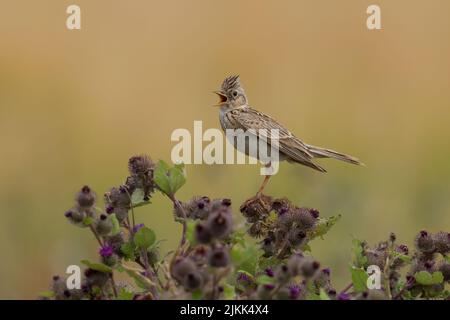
x=235, y=93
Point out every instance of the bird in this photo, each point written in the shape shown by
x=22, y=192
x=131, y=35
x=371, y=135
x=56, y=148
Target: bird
x=236, y=113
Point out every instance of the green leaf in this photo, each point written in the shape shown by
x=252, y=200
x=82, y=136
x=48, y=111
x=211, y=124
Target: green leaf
x=144, y=238
x=141, y=281
x=47, y=294
x=97, y=266
x=124, y=294
x=115, y=223
x=323, y=226
x=401, y=256
x=265, y=279
x=169, y=179
x=229, y=292
x=425, y=278
x=161, y=177
x=190, y=234
x=87, y=221
x=197, y=294
x=306, y=247
x=359, y=260
x=128, y=249
x=177, y=177
x=245, y=257
x=323, y=295
x=359, y=279
x=137, y=198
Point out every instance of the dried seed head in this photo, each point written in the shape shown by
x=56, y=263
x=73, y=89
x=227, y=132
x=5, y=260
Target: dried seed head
x=118, y=197
x=104, y=225
x=96, y=278
x=376, y=257
x=202, y=233
x=140, y=165
x=198, y=207
x=110, y=260
x=268, y=246
x=309, y=267
x=424, y=242
x=306, y=218
x=58, y=287
x=444, y=267
x=121, y=213
x=255, y=230
x=220, y=224
x=85, y=198
x=294, y=264
x=116, y=241
x=182, y=267
x=75, y=216
x=297, y=237
x=401, y=249
x=286, y=220
x=282, y=206
x=218, y=257
x=282, y=274
x=256, y=208
x=442, y=242
x=193, y=280
x=222, y=203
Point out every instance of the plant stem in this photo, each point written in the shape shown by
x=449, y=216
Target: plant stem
x=96, y=235
x=113, y=284
x=348, y=287
x=184, y=216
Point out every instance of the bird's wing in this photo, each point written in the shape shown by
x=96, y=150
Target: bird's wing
x=248, y=118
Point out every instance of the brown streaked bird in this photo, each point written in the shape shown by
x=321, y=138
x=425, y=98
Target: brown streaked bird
x=235, y=113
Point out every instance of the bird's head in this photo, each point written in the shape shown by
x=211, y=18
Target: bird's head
x=231, y=94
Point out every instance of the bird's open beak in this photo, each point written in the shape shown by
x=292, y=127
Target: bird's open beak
x=223, y=98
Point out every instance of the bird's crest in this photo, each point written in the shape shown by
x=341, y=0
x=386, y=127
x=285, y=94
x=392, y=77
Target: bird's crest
x=231, y=82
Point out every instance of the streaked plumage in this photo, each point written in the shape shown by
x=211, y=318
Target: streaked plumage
x=235, y=113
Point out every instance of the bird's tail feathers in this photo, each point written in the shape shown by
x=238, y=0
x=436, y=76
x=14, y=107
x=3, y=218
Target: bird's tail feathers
x=318, y=152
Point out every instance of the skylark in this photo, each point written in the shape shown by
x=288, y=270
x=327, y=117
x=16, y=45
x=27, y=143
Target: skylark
x=235, y=113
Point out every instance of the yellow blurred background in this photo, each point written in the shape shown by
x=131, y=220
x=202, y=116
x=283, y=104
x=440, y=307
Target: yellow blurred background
x=75, y=105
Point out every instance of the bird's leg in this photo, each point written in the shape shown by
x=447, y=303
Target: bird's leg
x=263, y=185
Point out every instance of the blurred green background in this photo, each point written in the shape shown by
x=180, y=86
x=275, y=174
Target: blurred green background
x=75, y=105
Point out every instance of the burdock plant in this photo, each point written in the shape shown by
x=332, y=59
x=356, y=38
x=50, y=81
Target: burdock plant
x=269, y=257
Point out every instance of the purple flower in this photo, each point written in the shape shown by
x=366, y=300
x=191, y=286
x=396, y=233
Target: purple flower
x=294, y=291
x=243, y=277
x=137, y=227
x=326, y=271
x=269, y=286
x=269, y=272
x=106, y=251
x=343, y=296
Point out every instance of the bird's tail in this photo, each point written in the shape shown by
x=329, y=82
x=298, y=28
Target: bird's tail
x=327, y=153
